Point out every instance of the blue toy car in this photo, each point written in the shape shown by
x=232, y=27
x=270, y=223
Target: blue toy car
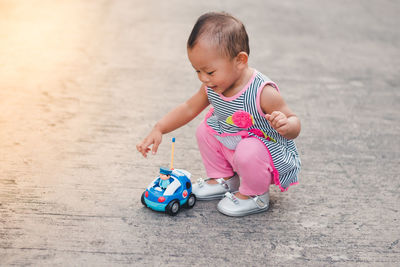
x=177, y=194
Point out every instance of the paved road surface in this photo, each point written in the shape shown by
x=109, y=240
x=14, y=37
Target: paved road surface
x=81, y=82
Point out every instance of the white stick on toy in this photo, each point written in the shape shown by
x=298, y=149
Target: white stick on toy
x=172, y=153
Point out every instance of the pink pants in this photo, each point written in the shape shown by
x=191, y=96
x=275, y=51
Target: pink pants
x=250, y=160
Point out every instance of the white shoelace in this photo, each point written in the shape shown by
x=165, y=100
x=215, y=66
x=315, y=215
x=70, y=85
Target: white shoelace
x=257, y=200
x=200, y=182
x=221, y=181
x=232, y=197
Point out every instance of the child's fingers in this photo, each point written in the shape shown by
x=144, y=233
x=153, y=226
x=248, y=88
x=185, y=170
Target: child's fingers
x=280, y=122
x=155, y=147
x=269, y=117
x=144, y=153
x=273, y=116
x=277, y=115
x=283, y=130
x=139, y=148
x=276, y=119
x=143, y=147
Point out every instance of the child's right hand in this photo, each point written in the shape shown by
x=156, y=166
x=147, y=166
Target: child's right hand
x=154, y=138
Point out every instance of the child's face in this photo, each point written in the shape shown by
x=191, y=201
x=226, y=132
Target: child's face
x=217, y=71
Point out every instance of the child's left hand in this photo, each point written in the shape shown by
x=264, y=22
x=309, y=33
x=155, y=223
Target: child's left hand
x=279, y=121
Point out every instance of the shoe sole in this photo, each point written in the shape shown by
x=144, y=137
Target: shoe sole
x=213, y=197
x=233, y=214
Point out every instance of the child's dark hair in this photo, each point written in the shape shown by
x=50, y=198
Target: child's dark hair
x=224, y=30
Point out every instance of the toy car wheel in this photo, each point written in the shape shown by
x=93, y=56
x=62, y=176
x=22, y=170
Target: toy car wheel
x=173, y=207
x=191, y=201
x=142, y=199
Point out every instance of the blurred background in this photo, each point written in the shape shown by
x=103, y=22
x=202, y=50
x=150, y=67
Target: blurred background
x=81, y=82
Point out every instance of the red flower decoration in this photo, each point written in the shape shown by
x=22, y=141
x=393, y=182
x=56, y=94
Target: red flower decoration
x=242, y=119
x=257, y=132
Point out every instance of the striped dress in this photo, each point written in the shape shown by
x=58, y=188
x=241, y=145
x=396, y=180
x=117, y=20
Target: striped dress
x=229, y=130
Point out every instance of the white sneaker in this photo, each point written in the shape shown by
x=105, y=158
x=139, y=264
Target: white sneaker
x=233, y=206
x=206, y=191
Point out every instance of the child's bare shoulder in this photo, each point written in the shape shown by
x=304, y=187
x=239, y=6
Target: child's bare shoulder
x=269, y=93
x=270, y=98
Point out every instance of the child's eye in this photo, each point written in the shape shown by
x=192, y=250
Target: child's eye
x=210, y=73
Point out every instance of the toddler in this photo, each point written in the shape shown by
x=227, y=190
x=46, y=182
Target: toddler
x=246, y=140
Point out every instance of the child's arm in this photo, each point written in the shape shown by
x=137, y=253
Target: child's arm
x=278, y=114
x=174, y=119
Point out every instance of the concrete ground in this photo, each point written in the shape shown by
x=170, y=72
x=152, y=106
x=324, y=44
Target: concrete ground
x=81, y=82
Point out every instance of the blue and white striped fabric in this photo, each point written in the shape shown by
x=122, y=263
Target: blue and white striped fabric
x=283, y=152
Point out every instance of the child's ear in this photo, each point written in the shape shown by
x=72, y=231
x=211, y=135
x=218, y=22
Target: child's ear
x=242, y=58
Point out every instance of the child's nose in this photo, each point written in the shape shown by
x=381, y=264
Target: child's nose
x=203, y=77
